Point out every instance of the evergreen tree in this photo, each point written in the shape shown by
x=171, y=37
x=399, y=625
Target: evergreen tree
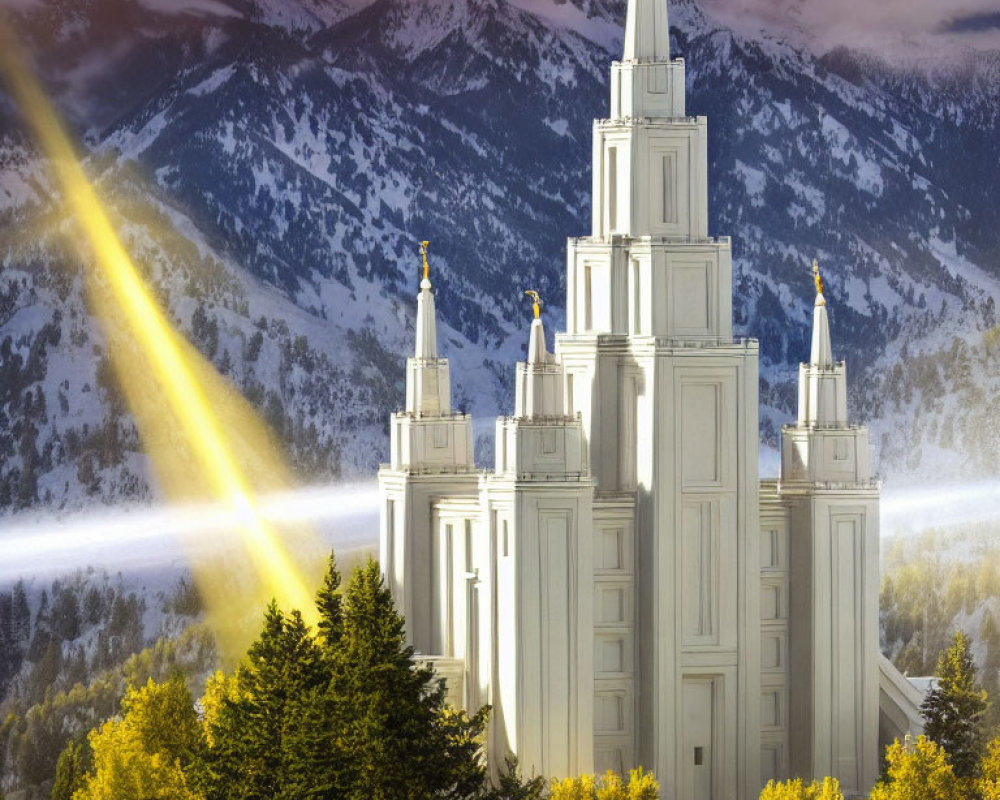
x=512, y=786
x=66, y=615
x=71, y=768
x=9, y=661
x=20, y=616
x=42, y=633
x=247, y=757
x=93, y=606
x=330, y=606
x=953, y=710
x=396, y=735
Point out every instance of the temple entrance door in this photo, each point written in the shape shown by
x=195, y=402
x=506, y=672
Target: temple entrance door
x=698, y=751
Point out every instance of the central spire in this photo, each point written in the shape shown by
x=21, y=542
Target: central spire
x=821, y=354
x=647, y=32
x=426, y=323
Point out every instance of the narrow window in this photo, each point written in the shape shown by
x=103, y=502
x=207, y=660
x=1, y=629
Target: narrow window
x=657, y=79
x=669, y=190
x=440, y=436
x=390, y=544
x=548, y=441
x=468, y=546
x=588, y=298
x=612, y=189
x=636, y=300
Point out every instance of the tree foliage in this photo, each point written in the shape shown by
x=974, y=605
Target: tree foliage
x=989, y=773
x=146, y=753
x=71, y=769
x=347, y=715
x=919, y=772
x=640, y=786
x=828, y=789
x=511, y=785
x=953, y=710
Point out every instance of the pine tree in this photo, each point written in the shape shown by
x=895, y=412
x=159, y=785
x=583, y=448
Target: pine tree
x=330, y=606
x=43, y=633
x=397, y=736
x=511, y=785
x=66, y=614
x=20, y=616
x=953, y=710
x=71, y=768
x=247, y=757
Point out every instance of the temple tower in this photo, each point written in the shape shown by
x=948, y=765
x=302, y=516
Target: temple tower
x=827, y=484
x=539, y=503
x=430, y=457
x=668, y=401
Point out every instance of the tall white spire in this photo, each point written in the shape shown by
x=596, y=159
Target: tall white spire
x=647, y=32
x=428, y=378
x=821, y=354
x=822, y=382
x=426, y=315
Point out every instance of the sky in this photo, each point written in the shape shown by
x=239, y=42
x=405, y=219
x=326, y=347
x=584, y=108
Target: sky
x=924, y=27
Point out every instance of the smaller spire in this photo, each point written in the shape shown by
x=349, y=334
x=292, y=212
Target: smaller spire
x=821, y=354
x=819, y=283
x=426, y=323
x=537, y=353
x=540, y=377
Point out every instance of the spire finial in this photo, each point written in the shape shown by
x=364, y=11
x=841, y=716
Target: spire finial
x=536, y=302
x=427, y=267
x=819, y=283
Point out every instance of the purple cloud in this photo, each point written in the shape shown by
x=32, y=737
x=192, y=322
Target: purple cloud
x=928, y=27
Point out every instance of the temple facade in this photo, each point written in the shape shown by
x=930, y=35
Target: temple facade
x=622, y=589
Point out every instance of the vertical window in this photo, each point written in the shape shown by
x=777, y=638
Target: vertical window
x=390, y=543
x=588, y=298
x=440, y=436
x=469, y=566
x=548, y=441
x=612, y=189
x=657, y=79
x=636, y=300
x=669, y=189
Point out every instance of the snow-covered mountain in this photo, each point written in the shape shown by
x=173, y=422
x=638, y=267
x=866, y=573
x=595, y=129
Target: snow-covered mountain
x=274, y=164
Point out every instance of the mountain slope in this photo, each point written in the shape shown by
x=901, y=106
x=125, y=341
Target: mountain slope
x=304, y=155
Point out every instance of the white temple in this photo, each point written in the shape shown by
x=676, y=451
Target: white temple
x=622, y=589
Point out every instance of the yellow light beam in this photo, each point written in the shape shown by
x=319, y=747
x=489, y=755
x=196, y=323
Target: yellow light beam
x=161, y=346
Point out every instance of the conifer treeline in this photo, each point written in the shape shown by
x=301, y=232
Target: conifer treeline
x=347, y=713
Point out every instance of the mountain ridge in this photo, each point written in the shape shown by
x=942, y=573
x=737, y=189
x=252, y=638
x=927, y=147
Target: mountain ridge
x=306, y=168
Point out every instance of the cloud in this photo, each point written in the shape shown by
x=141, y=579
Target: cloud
x=206, y=7
x=974, y=23
x=932, y=26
